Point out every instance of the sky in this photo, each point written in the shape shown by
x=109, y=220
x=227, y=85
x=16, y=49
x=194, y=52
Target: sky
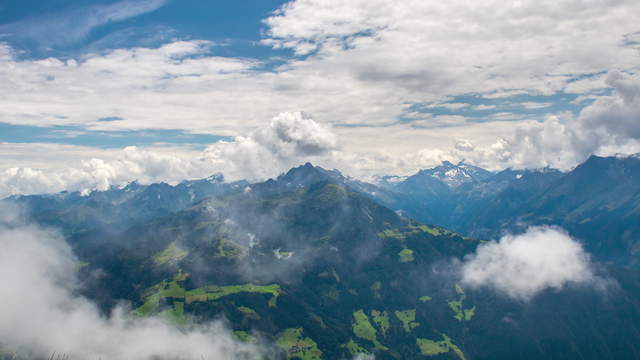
x=100, y=93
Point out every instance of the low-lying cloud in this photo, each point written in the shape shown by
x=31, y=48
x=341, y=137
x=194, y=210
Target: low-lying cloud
x=521, y=266
x=41, y=314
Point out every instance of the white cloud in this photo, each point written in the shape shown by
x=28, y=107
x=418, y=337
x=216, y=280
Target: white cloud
x=484, y=107
x=532, y=105
x=128, y=164
x=360, y=73
x=522, y=266
x=528, y=46
x=356, y=72
x=288, y=140
x=586, y=85
x=608, y=126
x=450, y=106
x=40, y=312
x=619, y=115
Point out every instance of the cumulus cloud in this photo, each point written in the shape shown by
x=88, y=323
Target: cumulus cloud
x=42, y=315
x=521, y=266
x=608, y=126
x=132, y=163
x=288, y=140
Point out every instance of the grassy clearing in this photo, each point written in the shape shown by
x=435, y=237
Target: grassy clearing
x=432, y=348
x=363, y=329
x=406, y=255
x=391, y=234
x=175, y=314
x=296, y=346
x=249, y=312
x=355, y=349
x=381, y=319
x=460, y=313
x=407, y=317
x=244, y=336
x=172, y=254
x=229, y=249
x=173, y=290
x=425, y=298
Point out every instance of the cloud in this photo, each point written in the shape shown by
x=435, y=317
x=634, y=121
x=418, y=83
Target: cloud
x=42, y=315
x=528, y=46
x=450, y=106
x=606, y=127
x=618, y=115
x=521, y=266
x=69, y=27
x=532, y=105
x=482, y=107
x=131, y=163
x=288, y=140
x=355, y=72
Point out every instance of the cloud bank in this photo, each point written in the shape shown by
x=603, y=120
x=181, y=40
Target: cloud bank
x=521, y=266
x=606, y=127
x=288, y=140
x=610, y=125
x=42, y=315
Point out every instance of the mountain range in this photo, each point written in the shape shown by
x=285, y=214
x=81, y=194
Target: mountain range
x=328, y=267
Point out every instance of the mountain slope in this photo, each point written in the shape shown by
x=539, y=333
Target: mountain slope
x=323, y=271
x=75, y=213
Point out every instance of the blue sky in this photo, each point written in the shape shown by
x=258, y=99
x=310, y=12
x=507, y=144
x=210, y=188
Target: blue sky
x=377, y=86
x=235, y=24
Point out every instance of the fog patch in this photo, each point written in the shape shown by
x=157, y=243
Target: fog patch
x=521, y=266
x=41, y=313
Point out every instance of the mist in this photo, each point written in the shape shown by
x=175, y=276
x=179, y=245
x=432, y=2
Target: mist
x=42, y=314
x=521, y=266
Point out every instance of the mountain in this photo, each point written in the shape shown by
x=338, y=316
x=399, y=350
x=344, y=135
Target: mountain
x=316, y=264
x=438, y=180
x=76, y=212
x=598, y=202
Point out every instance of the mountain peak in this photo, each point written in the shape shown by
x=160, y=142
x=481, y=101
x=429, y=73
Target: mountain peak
x=307, y=174
x=451, y=175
